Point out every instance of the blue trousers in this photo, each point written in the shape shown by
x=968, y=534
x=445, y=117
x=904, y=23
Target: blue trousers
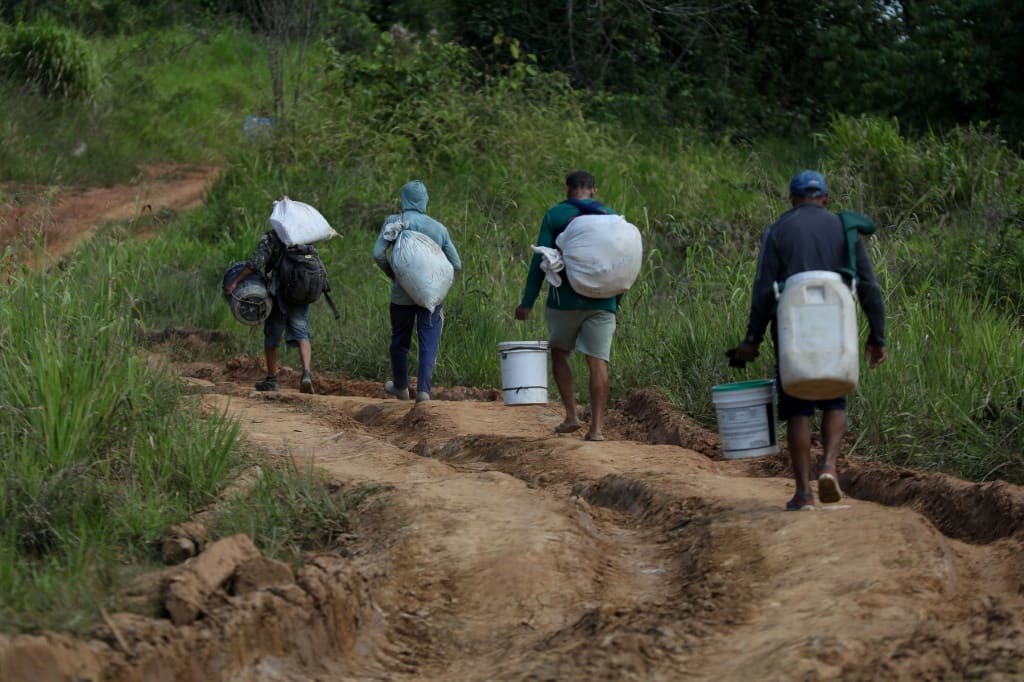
x=428, y=335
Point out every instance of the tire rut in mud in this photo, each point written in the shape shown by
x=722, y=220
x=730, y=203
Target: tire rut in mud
x=630, y=634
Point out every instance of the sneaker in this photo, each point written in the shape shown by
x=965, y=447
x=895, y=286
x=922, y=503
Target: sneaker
x=267, y=383
x=422, y=397
x=306, y=384
x=828, y=487
x=801, y=502
x=400, y=393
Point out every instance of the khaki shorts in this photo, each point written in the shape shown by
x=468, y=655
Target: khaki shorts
x=588, y=331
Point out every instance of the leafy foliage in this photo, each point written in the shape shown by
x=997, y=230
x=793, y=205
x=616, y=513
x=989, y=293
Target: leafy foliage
x=50, y=59
x=100, y=452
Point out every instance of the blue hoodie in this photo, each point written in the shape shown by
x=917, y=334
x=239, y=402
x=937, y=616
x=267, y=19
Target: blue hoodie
x=414, y=213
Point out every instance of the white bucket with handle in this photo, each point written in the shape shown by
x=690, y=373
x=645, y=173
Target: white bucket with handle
x=746, y=418
x=524, y=372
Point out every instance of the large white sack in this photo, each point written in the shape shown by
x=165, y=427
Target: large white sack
x=421, y=268
x=299, y=223
x=602, y=254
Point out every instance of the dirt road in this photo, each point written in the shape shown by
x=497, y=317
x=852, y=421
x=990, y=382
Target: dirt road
x=65, y=216
x=499, y=551
x=506, y=553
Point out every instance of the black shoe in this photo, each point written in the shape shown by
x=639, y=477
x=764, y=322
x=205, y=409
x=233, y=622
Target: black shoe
x=306, y=384
x=268, y=383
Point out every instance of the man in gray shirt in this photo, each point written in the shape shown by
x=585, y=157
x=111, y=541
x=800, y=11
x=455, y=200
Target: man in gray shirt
x=810, y=237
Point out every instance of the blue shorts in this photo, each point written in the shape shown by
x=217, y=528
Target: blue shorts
x=293, y=324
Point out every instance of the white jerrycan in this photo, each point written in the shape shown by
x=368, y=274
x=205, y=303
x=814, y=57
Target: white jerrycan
x=817, y=325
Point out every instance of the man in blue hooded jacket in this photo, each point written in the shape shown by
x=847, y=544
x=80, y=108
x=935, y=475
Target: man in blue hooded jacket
x=405, y=313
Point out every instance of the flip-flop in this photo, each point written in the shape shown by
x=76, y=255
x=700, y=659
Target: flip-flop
x=828, y=488
x=801, y=503
x=594, y=437
x=568, y=427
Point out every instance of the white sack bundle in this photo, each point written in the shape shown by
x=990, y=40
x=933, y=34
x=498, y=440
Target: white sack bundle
x=297, y=223
x=602, y=254
x=421, y=268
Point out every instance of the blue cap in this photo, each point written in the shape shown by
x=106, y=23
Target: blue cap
x=808, y=183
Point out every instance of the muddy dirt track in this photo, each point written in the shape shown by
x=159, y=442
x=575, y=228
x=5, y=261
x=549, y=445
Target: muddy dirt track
x=498, y=551
x=65, y=216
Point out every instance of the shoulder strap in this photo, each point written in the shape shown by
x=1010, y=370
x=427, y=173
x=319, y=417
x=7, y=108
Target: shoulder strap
x=585, y=208
x=854, y=224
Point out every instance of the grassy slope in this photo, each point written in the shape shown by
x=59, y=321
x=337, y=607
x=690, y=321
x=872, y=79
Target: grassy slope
x=493, y=157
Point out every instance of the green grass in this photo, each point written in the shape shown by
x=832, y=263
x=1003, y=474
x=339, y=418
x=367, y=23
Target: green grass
x=290, y=510
x=174, y=95
x=701, y=205
x=100, y=451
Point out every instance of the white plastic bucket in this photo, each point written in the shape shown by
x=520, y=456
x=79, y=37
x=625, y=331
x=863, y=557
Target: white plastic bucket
x=746, y=418
x=524, y=372
x=817, y=325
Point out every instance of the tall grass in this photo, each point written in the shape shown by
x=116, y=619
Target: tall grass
x=493, y=152
x=289, y=510
x=950, y=238
x=100, y=452
x=179, y=94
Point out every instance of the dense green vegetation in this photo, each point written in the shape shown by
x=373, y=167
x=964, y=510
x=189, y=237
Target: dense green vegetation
x=491, y=124
x=100, y=453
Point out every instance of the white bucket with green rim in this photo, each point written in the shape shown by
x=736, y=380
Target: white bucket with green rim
x=524, y=372
x=746, y=418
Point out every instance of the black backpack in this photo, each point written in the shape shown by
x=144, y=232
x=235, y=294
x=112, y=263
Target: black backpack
x=302, y=277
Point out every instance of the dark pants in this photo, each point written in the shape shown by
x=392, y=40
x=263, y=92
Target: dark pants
x=428, y=334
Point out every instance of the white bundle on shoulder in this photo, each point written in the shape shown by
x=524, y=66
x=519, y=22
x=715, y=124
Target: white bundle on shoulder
x=420, y=266
x=550, y=264
x=297, y=223
x=602, y=254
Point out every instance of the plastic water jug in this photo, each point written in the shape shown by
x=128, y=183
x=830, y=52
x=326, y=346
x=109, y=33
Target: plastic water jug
x=817, y=326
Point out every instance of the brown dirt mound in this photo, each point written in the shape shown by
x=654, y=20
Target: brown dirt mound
x=647, y=415
x=975, y=512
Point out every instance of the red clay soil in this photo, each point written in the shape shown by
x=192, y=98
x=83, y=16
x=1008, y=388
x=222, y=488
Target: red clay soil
x=500, y=551
x=65, y=216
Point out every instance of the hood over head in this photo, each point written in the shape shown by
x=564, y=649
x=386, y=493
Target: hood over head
x=414, y=196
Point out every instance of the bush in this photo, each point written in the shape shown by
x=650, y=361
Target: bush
x=50, y=59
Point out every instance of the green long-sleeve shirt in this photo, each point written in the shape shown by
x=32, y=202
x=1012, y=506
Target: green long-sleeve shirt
x=562, y=297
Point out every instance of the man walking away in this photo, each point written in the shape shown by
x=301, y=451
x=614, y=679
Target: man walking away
x=405, y=313
x=574, y=322
x=290, y=320
x=810, y=237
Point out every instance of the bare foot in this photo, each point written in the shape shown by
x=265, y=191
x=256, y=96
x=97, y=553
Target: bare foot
x=568, y=427
x=593, y=436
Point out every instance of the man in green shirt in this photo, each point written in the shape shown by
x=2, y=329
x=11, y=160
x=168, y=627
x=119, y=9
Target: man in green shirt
x=575, y=322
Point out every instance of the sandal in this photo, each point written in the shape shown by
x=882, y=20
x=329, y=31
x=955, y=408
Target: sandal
x=568, y=427
x=593, y=436
x=828, y=486
x=801, y=502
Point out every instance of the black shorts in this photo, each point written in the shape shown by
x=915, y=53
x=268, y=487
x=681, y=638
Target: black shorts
x=797, y=407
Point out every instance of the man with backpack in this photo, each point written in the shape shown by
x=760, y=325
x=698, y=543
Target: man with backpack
x=806, y=238
x=296, y=277
x=575, y=322
x=405, y=312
